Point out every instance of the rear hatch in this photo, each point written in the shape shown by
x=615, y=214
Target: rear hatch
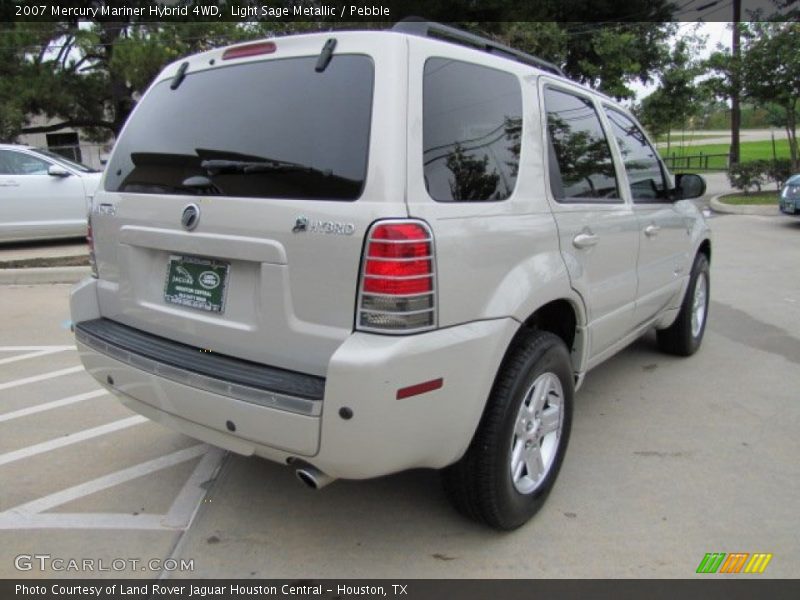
x=234, y=207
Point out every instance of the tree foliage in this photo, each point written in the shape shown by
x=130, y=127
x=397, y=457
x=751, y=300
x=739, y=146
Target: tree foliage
x=771, y=72
x=678, y=97
x=90, y=74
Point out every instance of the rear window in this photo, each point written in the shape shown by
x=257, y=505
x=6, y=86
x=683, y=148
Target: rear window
x=472, y=121
x=274, y=129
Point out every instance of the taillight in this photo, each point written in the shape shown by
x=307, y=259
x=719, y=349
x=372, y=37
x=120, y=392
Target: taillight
x=90, y=243
x=397, y=291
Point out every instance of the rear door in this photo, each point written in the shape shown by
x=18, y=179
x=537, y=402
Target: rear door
x=664, y=231
x=236, y=201
x=597, y=228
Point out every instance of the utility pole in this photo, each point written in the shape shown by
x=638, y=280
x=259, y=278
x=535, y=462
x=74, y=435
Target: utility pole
x=736, y=113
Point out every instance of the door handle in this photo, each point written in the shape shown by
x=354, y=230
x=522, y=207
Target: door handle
x=652, y=230
x=9, y=184
x=585, y=240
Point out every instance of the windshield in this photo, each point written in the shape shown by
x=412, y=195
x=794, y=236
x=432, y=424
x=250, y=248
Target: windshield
x=64, y=161
x=275, y=129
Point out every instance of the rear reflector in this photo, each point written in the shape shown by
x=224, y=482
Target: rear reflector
x=249, y=50
x=90, y=243
x=420, y=388
x=397, y=290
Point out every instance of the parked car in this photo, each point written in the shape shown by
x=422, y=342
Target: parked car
x=790, y=196
x=364, y=252
x=42, y=194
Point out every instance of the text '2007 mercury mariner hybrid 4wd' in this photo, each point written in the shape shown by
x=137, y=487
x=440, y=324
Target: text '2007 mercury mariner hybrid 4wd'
x=363, y=252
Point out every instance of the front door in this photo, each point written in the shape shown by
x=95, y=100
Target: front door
x=663, y=229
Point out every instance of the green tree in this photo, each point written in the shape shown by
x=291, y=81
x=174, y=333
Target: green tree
x=771, y=72
x=90, y=74
x=604, y=55
x=678, y=98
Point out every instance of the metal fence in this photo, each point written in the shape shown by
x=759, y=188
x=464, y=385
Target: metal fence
x=698, y=162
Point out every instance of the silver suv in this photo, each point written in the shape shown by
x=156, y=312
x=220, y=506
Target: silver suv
x=364, y=252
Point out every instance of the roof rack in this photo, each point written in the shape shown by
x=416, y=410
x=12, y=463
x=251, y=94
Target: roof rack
x=420, y=27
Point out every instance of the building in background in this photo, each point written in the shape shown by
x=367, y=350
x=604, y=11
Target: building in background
x=69, y=142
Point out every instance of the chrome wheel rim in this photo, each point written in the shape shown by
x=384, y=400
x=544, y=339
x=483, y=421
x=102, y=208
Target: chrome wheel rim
x=537, y=431
x=699, y=304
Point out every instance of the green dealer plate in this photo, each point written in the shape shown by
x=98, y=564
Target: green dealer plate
x=196, y=282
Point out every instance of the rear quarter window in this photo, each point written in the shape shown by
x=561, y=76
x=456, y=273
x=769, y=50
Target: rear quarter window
x=472, y=125
x=292, y=132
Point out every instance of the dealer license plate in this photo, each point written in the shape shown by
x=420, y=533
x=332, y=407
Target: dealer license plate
x=196, y=282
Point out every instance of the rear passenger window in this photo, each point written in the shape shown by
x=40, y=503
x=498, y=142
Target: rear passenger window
x=472, y=121
x=641, y=161
x=581, y=167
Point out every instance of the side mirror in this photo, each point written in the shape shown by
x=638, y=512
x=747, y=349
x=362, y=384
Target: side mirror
x=57, y=171
x=688, y=186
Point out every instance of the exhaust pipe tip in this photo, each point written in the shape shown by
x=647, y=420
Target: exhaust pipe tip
x=313, y=477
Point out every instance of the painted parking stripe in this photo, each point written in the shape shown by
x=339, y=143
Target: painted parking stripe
x=34, y=348
x=26, y=516
x=70, y=439
x=32, y=410
x=80, y=521
x=42, y=377
x=35, y=354
x=187, y=502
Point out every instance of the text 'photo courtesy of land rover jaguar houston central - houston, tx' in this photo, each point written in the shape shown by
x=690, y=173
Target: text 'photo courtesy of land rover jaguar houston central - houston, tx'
x=363, y=252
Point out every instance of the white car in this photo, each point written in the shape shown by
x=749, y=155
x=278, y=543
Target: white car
x=42, y=194
x=363, y=252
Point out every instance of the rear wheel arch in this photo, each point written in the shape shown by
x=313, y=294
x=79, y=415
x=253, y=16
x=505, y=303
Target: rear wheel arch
x=563, y=317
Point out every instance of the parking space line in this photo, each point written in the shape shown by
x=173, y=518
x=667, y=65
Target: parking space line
x=79, y=521
x=187, y=503
x=34, y=348
x=37, y=353
x=32, y=410
x=27, y=515
x=69, y=439
x=42, y=377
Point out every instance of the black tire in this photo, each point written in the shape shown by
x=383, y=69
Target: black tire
x=481, y=485
x=678, y=338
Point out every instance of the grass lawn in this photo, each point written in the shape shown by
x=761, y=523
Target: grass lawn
x=752, y=198
x=761, y=150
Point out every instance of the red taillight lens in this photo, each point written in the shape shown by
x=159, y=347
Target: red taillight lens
x=397, y=291
x=249, y=50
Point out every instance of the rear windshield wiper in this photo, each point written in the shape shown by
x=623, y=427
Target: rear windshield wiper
x=216, y=166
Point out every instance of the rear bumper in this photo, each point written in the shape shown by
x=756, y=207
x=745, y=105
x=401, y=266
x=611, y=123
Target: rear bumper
x=383, y=435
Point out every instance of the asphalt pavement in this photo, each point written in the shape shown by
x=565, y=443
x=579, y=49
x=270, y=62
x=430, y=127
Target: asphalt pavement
x=669, y=459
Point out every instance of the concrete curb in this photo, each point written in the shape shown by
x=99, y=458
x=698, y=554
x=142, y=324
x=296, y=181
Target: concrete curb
x=743, y=209
x=42, y=275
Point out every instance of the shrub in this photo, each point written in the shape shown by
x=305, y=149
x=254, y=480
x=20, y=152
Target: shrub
x=779, y=171
x=744, y=176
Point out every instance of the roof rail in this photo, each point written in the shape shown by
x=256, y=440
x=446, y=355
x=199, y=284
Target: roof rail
x=420, y=27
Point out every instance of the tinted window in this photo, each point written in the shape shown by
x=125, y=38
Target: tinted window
x=582, y=167
x=285, y=131
x=472, y=121
x=641, y=161
x=17, y=163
